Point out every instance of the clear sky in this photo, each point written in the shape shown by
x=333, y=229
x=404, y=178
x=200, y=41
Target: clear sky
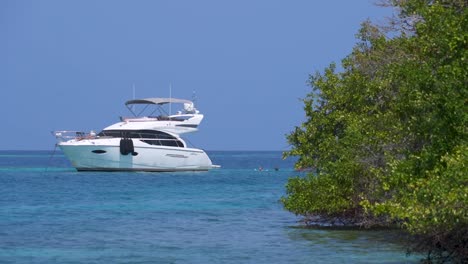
x=71, y=65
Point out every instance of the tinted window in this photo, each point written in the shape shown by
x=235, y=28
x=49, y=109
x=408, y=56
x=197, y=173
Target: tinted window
x=135, y=134
x=169, y=143
x=152, y=142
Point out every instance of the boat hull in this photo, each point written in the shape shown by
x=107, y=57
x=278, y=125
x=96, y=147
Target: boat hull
x=90, y=155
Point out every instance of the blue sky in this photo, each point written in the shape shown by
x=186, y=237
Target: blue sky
x=71, y=65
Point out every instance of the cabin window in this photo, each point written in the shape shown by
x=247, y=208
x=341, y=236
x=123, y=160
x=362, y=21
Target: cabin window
x=135, y=134
x=151, y=137
x=169, y=143
x=152, y=142
x=172, y=143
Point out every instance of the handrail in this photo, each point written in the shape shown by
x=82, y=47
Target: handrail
x=177, y=117
x=63, y=135
x=66, y=135
x=80, y=135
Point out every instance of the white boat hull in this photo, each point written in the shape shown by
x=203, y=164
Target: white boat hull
x=104, y=155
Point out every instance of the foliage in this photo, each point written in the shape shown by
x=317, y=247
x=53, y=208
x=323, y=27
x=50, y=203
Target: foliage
x=387, y=135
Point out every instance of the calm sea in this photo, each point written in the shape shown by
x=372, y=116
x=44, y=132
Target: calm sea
x=49, y=213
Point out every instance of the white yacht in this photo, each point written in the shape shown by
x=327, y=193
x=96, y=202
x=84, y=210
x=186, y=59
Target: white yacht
x=139, y=143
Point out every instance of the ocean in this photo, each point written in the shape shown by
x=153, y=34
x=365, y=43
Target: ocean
x=50, y=213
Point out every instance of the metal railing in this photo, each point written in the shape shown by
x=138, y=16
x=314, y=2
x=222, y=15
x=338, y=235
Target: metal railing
x=149, y=138
x=64, y=135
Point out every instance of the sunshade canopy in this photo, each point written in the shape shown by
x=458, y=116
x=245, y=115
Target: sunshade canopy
x=158, y=101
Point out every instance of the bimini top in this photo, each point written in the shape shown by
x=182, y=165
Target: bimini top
x=158, y=101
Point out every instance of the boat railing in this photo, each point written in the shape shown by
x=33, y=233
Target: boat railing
x=64, y=135
x=152, y=139
x=177, y=117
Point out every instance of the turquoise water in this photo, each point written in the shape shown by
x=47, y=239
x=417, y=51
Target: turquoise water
x=49, y=213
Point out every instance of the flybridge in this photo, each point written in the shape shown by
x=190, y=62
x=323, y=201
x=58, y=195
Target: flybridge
x=154, y=113
x=188, y=107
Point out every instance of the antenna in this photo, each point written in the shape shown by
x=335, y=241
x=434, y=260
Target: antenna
x=170, y=99
x=194, y=97
x=133, y=88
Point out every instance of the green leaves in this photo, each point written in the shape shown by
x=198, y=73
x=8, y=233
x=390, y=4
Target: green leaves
x=388, y=135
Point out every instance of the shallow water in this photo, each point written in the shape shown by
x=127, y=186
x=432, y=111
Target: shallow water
x=49, y=213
